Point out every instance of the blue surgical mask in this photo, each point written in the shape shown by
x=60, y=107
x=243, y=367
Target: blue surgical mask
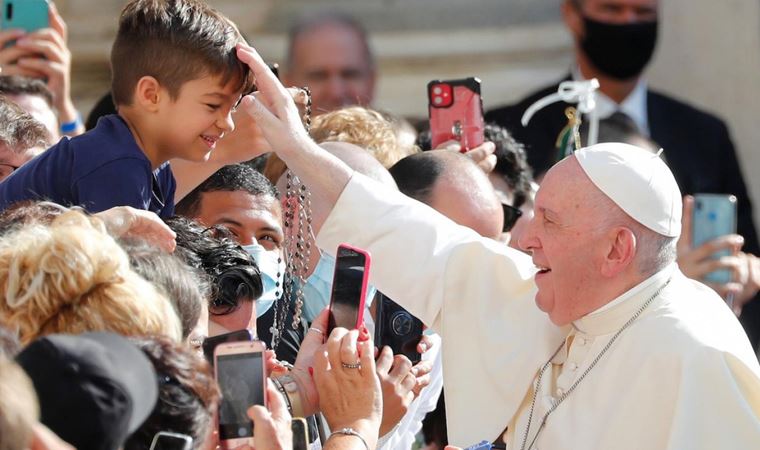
x=272, y=270
x=318, y=288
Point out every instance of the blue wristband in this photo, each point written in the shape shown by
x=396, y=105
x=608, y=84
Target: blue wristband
x=70, y=127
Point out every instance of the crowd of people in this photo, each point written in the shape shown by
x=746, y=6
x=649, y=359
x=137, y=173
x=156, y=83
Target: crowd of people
x=563, y=300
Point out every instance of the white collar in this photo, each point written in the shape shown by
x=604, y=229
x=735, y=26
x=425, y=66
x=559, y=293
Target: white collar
x=614, y=314
x=634, y=106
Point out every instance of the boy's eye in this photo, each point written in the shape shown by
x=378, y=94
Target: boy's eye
x=213, y=107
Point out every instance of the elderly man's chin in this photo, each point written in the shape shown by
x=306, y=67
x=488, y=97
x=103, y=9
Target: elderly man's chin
x=546, y=303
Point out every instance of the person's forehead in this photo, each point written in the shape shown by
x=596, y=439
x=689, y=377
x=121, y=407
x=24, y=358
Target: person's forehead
x=620, y=3
x=329, y=46
x=209, y=84
x=255, y=211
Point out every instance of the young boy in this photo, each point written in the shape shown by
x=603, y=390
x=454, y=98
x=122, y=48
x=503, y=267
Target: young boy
x=175, y=81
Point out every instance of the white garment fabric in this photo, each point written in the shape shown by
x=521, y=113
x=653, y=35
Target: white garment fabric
x=634, y=106
x=682, y=377
x=405, y=432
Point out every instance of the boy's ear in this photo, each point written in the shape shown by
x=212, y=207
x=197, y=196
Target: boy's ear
x=148, y=93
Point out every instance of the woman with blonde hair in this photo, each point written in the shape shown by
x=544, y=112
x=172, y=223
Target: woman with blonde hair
x=72, y=277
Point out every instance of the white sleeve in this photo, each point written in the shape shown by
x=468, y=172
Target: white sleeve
x=478, y=294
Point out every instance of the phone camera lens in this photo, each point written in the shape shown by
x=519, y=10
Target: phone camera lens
x=437, y=90
x=437, y=100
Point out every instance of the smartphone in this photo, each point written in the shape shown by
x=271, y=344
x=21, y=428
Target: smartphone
x=240, y=372
x=165, y=440
x=456, y=112
x=27, y=15
x=210, y=343
x=714, y=216
x=300, y=433
x=397, y=328
x=349, y=288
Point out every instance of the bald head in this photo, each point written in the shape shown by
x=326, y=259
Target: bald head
x=454, y=186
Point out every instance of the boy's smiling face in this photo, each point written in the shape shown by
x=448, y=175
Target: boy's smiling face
x=192, y=124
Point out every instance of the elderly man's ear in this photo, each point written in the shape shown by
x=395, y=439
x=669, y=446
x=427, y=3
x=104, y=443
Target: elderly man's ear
x=621, y=252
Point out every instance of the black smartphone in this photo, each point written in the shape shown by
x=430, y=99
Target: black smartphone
x=165, y=440
x=300, y=433
x=349, y=288
x=210, y=343
x=397, y=328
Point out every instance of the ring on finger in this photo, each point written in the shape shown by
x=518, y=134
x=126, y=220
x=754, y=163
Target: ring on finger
x=317, y=330
x=358, y=365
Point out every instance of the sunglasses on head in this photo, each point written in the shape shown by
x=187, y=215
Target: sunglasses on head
x=511, y=216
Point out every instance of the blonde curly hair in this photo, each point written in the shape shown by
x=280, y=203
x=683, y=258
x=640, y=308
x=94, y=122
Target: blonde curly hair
x=72, y=277
x=364, y=127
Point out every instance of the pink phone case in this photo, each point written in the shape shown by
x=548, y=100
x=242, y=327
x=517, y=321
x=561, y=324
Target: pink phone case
x=365, y=282
x=456, y=112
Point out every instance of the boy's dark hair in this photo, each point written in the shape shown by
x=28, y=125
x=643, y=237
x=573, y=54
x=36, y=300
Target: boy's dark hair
x=236, y=177
x=187, y=393
x=19, y=131
x=185, y=287
x=18, y=85
x=511, y=162
x=232, y=272
x=174, y=41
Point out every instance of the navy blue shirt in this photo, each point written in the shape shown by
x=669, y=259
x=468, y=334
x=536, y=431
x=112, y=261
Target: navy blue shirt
x=98, y=170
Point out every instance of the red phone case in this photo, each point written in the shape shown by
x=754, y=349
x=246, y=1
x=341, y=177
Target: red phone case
x=365, y=283
x=456, y=112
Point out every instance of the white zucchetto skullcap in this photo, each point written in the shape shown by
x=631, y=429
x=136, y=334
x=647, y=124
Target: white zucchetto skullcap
x=638, y=181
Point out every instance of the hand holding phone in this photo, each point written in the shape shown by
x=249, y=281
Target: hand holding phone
x=397, y=328
x=349, y=288
x=456, y=112
x=240, y=371
x=714, y=216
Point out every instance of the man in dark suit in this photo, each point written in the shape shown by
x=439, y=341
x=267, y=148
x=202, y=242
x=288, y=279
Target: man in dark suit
x=614, y=42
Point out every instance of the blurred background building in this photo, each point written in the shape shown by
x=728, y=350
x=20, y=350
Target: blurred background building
x=708, y=54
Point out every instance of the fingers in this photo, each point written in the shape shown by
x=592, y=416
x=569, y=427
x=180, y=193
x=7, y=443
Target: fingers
x=277, y=406
x=367, y=358
x=7, y=36
x=487, y=165
x=422, y=368
x=450, y=145
x=425, y=344
x=265, y=79
x=47, y=67
x=482, y=151
x=401, y=367
x=384, y=361
x=348, y=348
x=684, y=241
x=334, y=347
x=57, y=23
x=320, y=321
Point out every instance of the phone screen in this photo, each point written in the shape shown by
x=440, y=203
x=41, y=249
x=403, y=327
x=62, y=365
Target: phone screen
x=241, y=379
x=164, y=440
x=347, y=289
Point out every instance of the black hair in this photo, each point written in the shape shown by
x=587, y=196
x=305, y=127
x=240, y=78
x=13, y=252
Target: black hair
x=232, y=272
x=187, y=394
x=511, y=163
x=236, y=177
x=187, y=288
x=416, y=174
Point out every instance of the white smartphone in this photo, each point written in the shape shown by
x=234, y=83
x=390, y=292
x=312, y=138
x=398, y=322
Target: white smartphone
x=240, y=372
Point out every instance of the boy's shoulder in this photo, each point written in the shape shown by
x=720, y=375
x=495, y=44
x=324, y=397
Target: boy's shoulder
x=109, y=141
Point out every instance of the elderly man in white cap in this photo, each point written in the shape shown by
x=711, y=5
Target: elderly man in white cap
x=623, y=351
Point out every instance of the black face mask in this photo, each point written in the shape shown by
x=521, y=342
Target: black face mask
x=620, y=51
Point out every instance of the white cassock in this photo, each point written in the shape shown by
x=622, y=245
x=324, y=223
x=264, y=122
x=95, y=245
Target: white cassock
x=682, y=376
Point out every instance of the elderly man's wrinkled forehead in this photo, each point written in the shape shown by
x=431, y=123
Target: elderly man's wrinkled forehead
x=567, y=190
